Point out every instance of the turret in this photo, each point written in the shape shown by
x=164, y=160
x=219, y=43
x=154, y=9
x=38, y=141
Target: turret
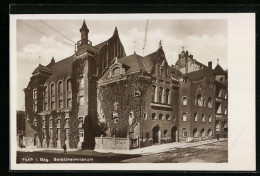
x=84, y=33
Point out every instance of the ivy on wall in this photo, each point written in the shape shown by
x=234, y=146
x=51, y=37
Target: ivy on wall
x=77, y=70
x=47, y=120
x=123, y=92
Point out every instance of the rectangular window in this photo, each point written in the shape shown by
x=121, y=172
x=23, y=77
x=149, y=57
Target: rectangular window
x=184, y=117
x=34, y=94
x=52, y=105
x=69, y=102
x=60, y=103
x=81, y=100
x=81, y=135
x=81, y=120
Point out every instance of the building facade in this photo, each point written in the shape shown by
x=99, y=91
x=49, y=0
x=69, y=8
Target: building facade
x=138, y=100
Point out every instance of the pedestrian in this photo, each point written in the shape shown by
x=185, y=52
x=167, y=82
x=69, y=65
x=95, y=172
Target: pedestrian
x=65, y=148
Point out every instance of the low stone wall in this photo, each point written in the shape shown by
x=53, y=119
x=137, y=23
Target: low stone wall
x=112, y=143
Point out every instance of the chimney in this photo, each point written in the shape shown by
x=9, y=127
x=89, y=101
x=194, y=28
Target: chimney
x=210, y=64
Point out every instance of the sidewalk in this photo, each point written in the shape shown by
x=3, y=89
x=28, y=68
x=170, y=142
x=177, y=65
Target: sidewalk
x=161, y=148
x=33, y=149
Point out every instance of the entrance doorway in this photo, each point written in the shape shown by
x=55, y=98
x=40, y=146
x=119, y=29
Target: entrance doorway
x=156, y=134
x=173, y=134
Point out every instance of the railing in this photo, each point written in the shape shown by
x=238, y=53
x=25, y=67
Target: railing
x=112, y=143
x=79, y=43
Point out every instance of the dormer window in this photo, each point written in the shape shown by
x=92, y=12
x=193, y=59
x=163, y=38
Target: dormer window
x=116, y=71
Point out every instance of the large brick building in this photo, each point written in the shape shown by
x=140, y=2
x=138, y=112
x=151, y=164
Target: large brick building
x=142, y=100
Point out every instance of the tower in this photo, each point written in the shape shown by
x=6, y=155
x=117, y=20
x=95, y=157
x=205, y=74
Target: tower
x=84, y=33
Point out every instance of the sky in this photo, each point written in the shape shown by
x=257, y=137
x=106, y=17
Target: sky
x=38, y=41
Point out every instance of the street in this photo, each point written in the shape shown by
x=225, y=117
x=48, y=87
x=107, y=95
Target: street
x=209, y=153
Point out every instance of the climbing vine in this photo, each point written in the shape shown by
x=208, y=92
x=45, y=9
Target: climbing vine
x=77, y=70
x=123, y=92
x=47, y=119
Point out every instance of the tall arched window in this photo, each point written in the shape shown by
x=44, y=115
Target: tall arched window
x=60, y=94
x=210, y=103
x=160, y=95
x=184, y=117
x=52, y=96
x=204, y=102
x=154, y=93
x=184, y=100
x=184, y=132
x=167, y=96
x=81, y=90
x=45, y=98
x=69, y=94
x=199, y=99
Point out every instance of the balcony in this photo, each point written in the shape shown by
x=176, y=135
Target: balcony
x=160, y=105
x=79, y=43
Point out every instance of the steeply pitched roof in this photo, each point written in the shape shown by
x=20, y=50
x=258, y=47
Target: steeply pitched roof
x=218, y=70
x=150, y=60
x=196, y=75
x=61, y=68
x=133, y=62
x=100, y=45
x=42, y=68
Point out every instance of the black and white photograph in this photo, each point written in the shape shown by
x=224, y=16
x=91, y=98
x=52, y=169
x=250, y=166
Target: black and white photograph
x=132, y=90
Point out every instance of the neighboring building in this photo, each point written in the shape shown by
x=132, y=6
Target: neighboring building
x=141, y=100
x=221, y=108
x=196, y=99
x=138, y=99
